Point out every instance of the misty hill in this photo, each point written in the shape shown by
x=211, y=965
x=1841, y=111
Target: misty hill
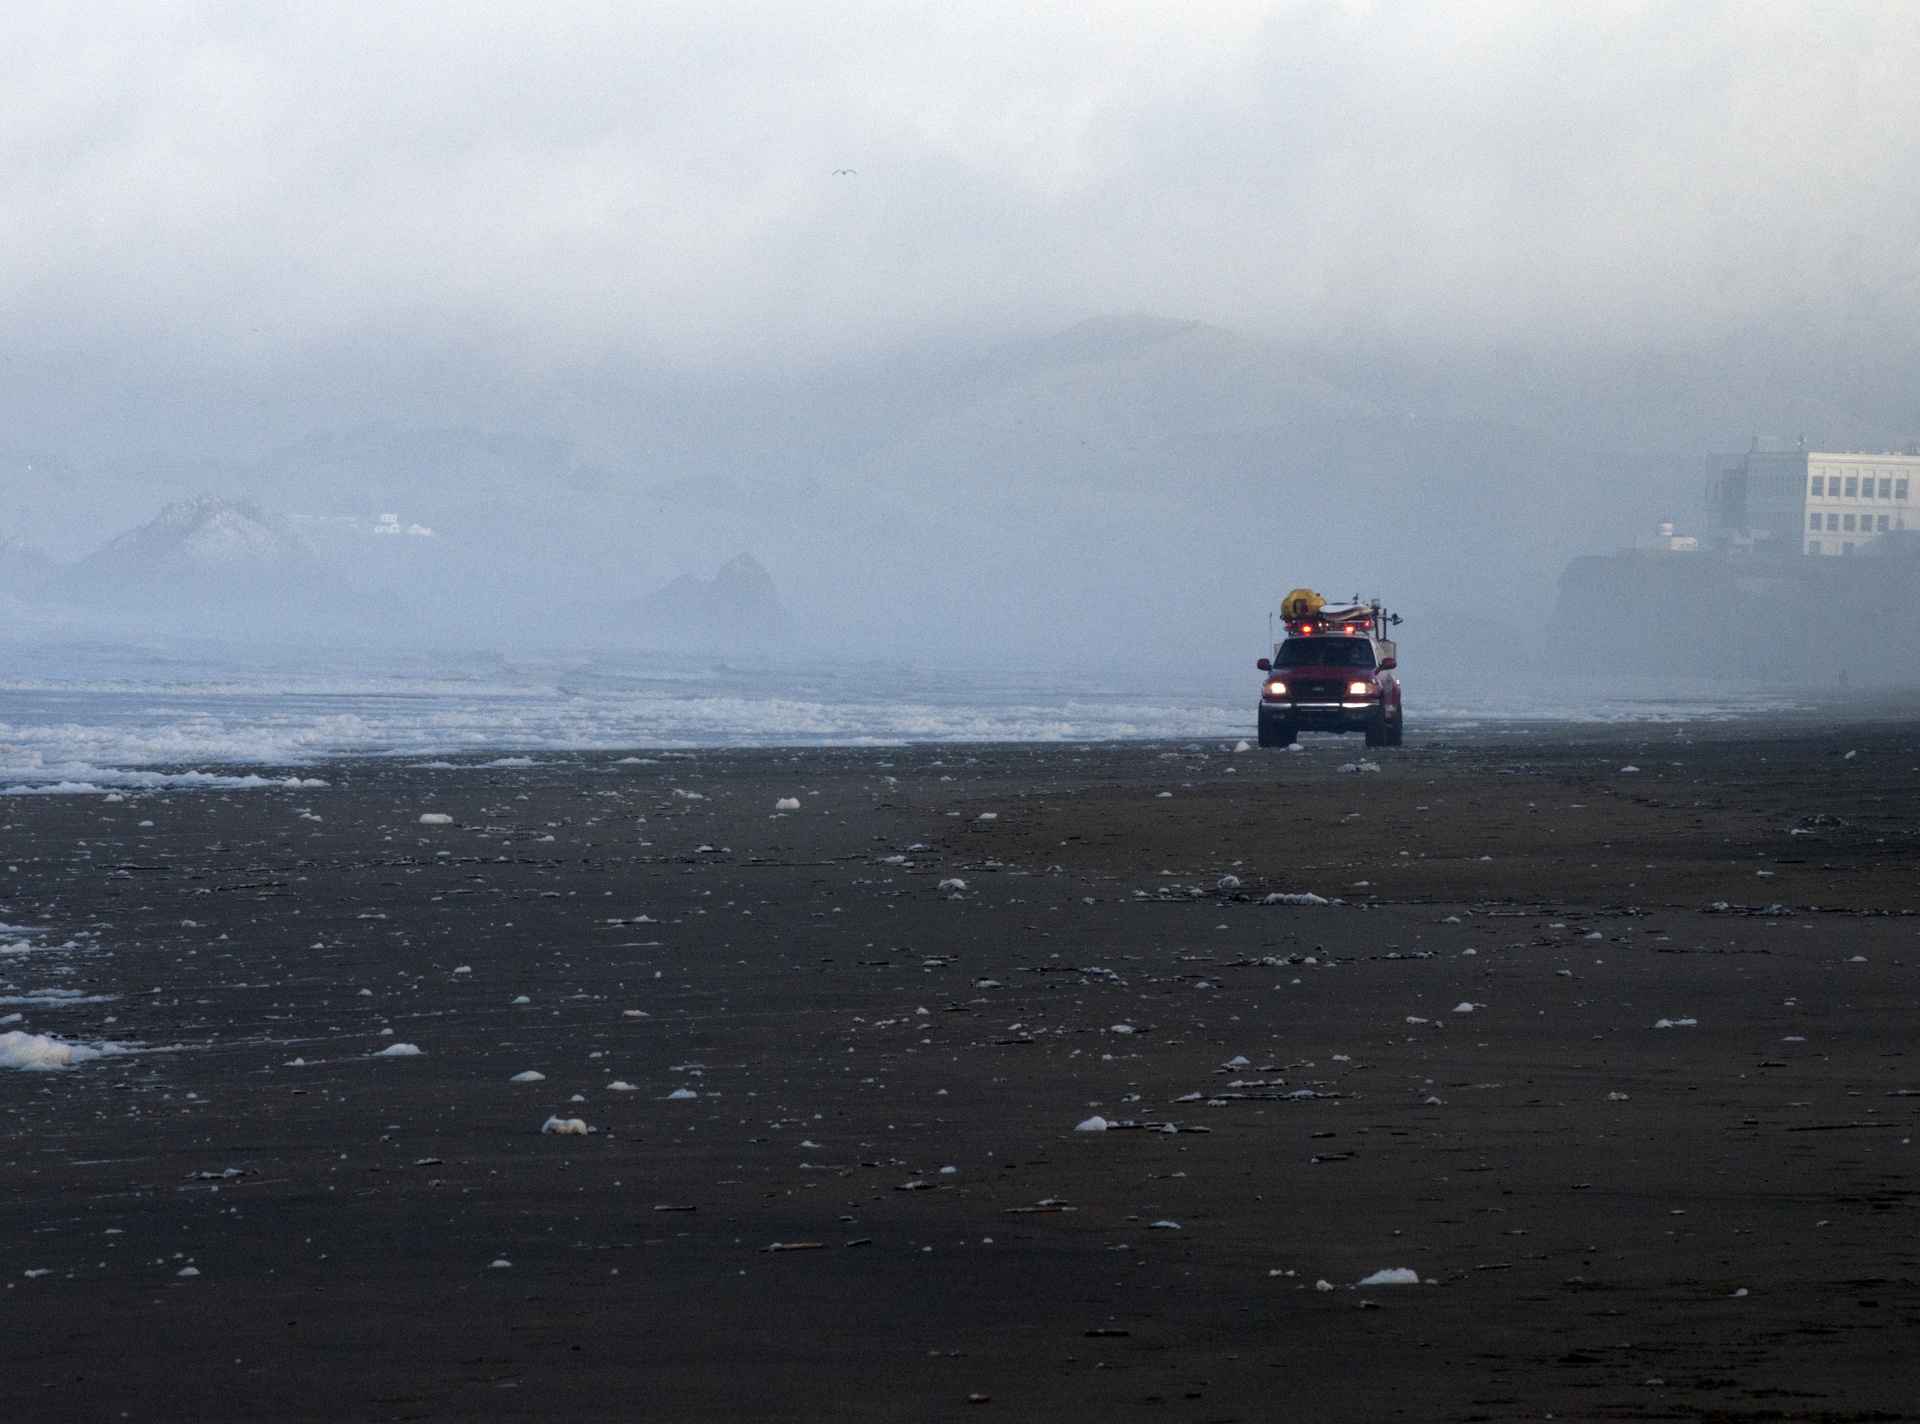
x=199, y=545
x=737, y=610
x=1745, y=618
x=209, y=564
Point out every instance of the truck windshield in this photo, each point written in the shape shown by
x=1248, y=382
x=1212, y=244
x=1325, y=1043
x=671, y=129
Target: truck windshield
x=1326, y=652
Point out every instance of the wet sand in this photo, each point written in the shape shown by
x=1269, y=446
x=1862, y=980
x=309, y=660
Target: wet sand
x=1457, y=1072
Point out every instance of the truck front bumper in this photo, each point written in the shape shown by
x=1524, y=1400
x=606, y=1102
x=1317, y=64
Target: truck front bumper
x=1351, y=716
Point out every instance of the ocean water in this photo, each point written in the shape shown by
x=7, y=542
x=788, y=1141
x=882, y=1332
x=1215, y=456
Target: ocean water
x=95, y=718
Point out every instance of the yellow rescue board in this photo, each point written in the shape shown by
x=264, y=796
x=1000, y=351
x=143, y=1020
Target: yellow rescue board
x=1301, y=603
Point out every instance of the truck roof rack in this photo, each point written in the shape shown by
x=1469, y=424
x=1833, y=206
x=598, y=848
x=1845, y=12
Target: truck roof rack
x=1314, y=618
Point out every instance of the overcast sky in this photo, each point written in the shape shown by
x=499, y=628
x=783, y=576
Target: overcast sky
x=190, y=190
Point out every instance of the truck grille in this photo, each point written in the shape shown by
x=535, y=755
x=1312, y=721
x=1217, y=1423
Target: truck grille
x=1319, y=690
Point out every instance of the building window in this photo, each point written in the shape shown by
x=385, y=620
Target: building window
x=1833, y=522
x=1886, y=489
x=1899, y=489
x=1880, y=524
x=1818, y=486
x=1813, y=521
x=1853, y=486
x=1847, y=524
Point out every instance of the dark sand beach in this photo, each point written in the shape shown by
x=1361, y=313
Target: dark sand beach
x=1458, y=1072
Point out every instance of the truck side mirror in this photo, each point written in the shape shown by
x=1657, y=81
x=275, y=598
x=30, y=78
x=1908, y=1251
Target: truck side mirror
x=1388, y=664
x=1265, y=665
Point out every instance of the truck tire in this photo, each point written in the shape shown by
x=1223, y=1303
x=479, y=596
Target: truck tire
x=1276, y=732
x=1397, y=729
x=1379, y=731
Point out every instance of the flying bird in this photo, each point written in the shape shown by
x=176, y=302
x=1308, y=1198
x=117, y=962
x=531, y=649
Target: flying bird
x=849, y=172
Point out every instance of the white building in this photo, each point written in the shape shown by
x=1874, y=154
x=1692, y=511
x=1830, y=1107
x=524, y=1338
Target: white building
x=1815, y=502
x=1851, y=499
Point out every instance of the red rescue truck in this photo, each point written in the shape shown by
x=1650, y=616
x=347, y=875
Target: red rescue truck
x=1333, y=673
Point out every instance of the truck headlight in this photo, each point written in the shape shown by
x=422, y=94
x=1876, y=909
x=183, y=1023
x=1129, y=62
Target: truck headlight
x=1359, y=689
x=1276, y=689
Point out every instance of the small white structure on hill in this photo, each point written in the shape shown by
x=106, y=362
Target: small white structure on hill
x=390, y=524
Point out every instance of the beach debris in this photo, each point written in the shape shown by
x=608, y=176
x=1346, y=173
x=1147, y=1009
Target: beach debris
x=1163, y=1224
x=401, y=1050
x=1858, y=959
x=188, y=1271
x=1122, y=1028
x=1395, y=1276
x=679, y=1095
x=565, y=1127
x=521, y=999
x=499, y=1263
x=1629, y=767
x=617, y=1086
x=1358, y=766
x=1676, y=1023
x=464, y=969
x=1463, y=1007
x=979, y=1399
x=1237, y=1061
x=1243, y=745
x=1278, y=898
x=435, y=818
x=1737, y=1294
x=952, y=883
x=787, y=803
x=1096, y=1123
x=794, y=1246
x=1323, y=1285
x=988, y=816
x=530, y=1076
x=1616, y=1097
x=1164, y=796
x=1227, y=882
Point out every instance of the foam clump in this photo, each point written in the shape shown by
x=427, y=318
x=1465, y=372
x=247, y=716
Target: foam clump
x=787, y=803
x=39, y=1053
x=565, y=1127
x=401, y=1050
x=436, y=818
x=1396, y=1276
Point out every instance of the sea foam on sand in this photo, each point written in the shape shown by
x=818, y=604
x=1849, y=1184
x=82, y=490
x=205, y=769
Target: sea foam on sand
x=38, y=1051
